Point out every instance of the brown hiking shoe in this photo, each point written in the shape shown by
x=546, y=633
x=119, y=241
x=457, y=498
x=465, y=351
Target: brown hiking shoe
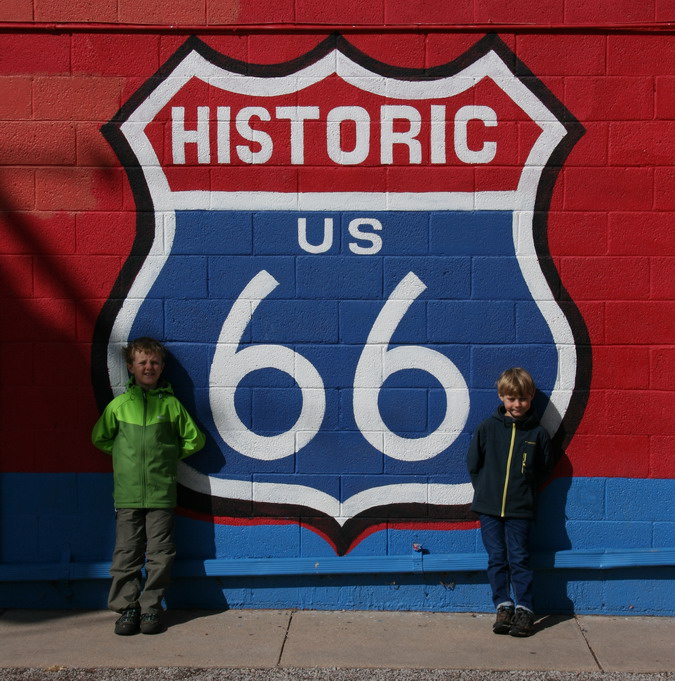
x=502, y=624
x=128, y=623
x=152, y=623
x=523, y=623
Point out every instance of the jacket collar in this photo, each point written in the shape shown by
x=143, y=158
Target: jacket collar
x=530, y=420
x=163, y=388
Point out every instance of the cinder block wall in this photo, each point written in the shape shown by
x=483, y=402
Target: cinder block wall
x=561, y=260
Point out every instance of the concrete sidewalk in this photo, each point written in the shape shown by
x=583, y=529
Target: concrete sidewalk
x=268, y=639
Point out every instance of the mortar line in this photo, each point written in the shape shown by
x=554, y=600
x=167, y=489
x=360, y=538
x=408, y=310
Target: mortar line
x=588, y=645
x=283, y=644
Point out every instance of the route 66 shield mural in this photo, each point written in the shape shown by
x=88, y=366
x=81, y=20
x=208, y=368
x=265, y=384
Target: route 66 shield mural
x=342, y=256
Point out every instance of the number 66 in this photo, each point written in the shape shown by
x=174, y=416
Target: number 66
x=375, y=365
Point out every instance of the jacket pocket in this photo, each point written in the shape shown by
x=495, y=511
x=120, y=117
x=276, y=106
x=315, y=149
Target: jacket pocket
x=527, y=467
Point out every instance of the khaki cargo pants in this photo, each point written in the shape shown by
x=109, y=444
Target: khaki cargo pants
x=144, y=537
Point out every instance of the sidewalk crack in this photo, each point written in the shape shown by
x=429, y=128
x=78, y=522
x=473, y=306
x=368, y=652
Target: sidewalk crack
x=283, y=644
x=588, y=645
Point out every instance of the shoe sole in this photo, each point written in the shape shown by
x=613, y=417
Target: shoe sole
x=127, y=633
x=501, y=629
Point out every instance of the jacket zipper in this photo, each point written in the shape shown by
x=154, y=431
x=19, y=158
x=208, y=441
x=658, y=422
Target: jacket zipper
x=522, y=468
x=143, y=467
x=508, y=468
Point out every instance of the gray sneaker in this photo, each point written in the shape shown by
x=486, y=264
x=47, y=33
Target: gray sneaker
x=523, y=623
x=502, y=624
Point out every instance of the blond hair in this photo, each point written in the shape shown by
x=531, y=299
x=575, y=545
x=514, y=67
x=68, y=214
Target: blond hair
x=517, y=382
x=144, y=344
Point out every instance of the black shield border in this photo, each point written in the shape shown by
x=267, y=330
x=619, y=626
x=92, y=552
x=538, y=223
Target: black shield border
x=342, y=537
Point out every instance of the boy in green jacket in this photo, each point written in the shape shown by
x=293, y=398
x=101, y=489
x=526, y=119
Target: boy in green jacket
x=509, y=457
x=147, y=430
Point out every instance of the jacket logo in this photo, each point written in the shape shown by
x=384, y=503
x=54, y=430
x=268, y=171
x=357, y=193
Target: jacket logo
x=346, y=253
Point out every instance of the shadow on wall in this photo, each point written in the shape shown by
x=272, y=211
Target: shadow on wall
x=549, y=535
x=194, y=541
x=50, y=300
x=549, y=531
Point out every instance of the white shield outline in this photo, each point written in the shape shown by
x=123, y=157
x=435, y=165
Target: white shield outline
x=488, y=59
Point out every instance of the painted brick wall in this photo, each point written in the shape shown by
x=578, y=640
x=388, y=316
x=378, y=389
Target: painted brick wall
x=77, y=229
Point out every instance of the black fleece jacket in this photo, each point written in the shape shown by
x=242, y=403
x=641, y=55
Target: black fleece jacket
x=507, y=462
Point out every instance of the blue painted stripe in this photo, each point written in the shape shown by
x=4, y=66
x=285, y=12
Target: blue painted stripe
x=415, y=563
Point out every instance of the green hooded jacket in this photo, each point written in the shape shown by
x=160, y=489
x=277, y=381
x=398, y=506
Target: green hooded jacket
x=147, y=433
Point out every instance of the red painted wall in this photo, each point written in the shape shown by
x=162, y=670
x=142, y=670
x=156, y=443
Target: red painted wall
x=67, y=216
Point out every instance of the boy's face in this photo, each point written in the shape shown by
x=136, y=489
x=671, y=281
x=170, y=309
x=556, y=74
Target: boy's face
x=146, y=369
x=516, y=406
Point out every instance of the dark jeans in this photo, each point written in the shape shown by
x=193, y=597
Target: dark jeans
x=506, y=541
x=144, y=537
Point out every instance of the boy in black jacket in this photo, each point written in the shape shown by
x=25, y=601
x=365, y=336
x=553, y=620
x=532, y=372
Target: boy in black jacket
x=509, y=456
